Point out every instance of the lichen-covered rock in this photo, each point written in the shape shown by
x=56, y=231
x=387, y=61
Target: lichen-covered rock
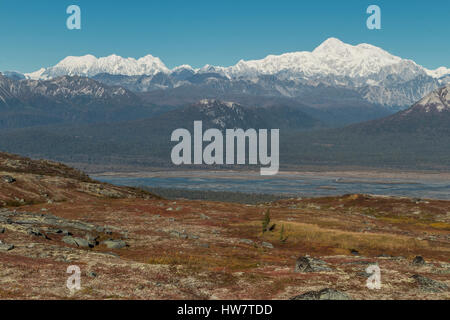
x=267, y=245
x=6, y=247
x=430, y=285
x=246, y=241
x=115, y=244
x=418, y=261
x=8, y=179
x=79, y=242
x=309, y=264
x=324, y=294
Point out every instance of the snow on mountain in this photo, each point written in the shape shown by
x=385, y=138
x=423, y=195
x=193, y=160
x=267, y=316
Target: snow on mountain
x=89, y=66
x=376, y=75
x=36, y=75
x=359, y=65
x=439, y=72
x=437, y=101
x=184, y=67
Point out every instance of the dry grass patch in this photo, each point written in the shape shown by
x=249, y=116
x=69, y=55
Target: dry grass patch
x=316, y=236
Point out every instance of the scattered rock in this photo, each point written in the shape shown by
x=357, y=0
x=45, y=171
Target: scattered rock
x=6, y=247
x=59, y=231
x=246, y=241
x=325, y=294
x=8, y=179
x=418, y=261
x=34, y=232
x=93, y=240
x=430, y=285
x=309, y=264
x=363, y=274
x=204, y=217
x=79, y=242
x=115, y=244
x=267, y=245
x=92, y=274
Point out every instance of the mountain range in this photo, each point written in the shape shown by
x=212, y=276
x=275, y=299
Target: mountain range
x=67, y=100
x=372, y=74
x=337, y=105
x=414, y=139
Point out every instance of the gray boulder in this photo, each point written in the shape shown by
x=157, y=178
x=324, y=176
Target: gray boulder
x=267, y=245
x=246, y=241
x=309, y=264
x=8, y=179
x=115, y=244
x=430, y=285
x=418, y=261
x=6, y=247
x=324, y=294
x=79, y=242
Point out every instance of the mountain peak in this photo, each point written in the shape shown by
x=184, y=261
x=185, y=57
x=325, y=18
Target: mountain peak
x=89, y=66
x=215, y=103
x=330, y=44
x=439, y=72
x=437, y=101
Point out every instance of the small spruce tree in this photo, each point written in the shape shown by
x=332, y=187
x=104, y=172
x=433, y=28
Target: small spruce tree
x=266, y=221
x=283, y=238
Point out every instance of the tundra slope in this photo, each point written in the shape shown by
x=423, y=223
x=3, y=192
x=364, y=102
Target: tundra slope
x=132, y=245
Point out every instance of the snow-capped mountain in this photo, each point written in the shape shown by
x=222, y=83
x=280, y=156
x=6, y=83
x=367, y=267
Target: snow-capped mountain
x=89, y=66
x=439, y=72
x=362, y=64
x=429, y=117
x=436, y=102
x=373, y=73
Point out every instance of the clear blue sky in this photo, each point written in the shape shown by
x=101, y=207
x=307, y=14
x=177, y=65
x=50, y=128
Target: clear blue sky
x=33, y=33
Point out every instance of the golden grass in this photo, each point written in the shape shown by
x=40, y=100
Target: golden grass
x=441, y=225
x=416, y=222
x=315, y=235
